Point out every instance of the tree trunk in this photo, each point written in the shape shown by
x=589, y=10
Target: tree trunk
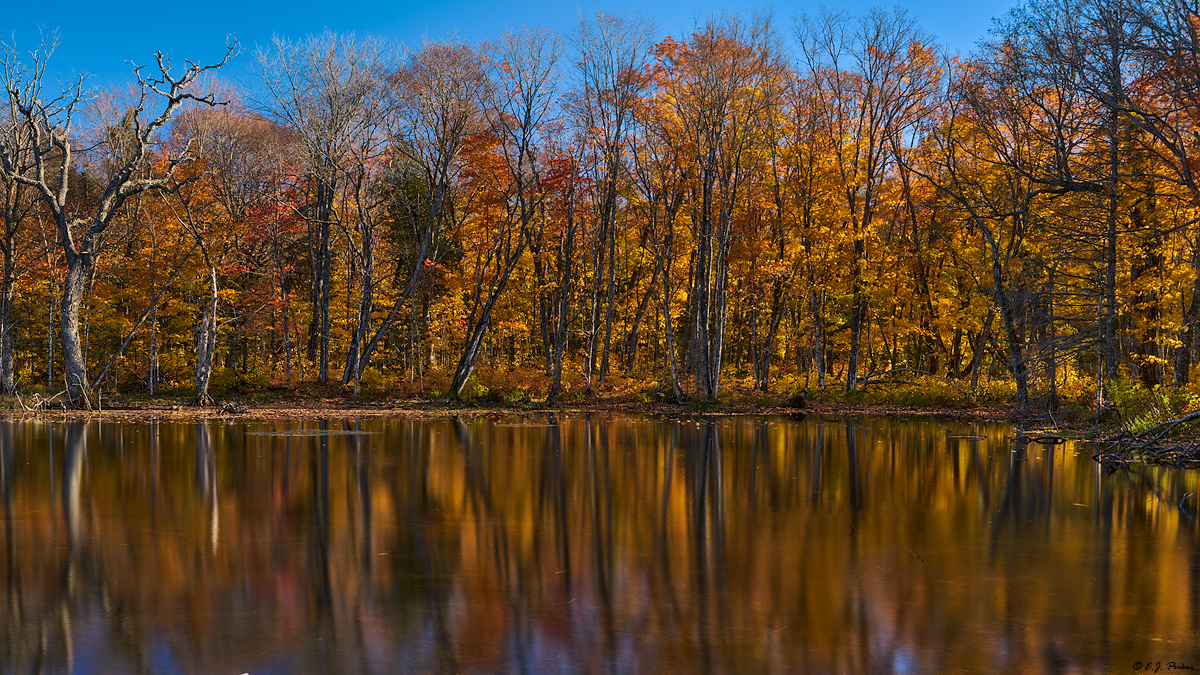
x=858, y=309
x=669, y=326
x=1109, y=327
x=1191, y=316
x=1051, y=346
x=285, y=305
x=476, y=332
x=980, y=348
x=320, y=255
x=366, y=305
x=702, y=288
x=325, y=212
x=50, y=327
x=720, y=309
x=818, y=337
x=545, y=301
x=1146, y=308
x=1016, y=355
x=152, y=370
x=206, y=343
x=612, y=288
x=594, y=330
x=954, y=370
x=631, y=340
x=79, y=267
x=564, y=299
x=7, y=366
x=313, y=348
x=762, y=366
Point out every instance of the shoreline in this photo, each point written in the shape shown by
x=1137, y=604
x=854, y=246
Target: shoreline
x=420, y=409
x=416, y=409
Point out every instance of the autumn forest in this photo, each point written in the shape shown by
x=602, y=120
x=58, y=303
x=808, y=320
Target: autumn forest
x=826, y=202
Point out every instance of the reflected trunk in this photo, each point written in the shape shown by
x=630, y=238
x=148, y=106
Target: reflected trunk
x=546, y=543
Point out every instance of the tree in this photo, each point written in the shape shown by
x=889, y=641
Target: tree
x=567, y=190
x=979, y=160
x=369, y=174
x=249, y=163
x=812, y=195
x=50, y=125
x=211, y=204
x=873, y=75
x=518, y=107
x=663, y=175
x=439, y=109
x=613, y=52
x=723, y=82
x=329, y=89
x=16, y=159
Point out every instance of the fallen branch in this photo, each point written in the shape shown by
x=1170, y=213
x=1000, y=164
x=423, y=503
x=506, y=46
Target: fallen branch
x=37, y=404
x=1146, y=446
x=1168, y=426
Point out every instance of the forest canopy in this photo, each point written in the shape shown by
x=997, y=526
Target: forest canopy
x=831, y=202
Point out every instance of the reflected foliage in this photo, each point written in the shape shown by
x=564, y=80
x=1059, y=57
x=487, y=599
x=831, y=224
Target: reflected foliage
x=586, y=544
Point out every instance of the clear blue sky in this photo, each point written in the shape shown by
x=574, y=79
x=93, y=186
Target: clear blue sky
x=100, y=38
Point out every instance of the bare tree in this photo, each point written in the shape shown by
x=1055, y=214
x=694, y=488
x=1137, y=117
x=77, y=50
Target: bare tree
x=326, y=89
x=50, y=123
x=613, y=53
x=518, y=107
x=1162, y=45
x=438, y=100
x=1069, y=79
x=368, y=175
x=1136, y=66
x=16, y=158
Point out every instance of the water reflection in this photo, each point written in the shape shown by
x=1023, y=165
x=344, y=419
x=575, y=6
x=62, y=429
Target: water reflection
x=591, y=544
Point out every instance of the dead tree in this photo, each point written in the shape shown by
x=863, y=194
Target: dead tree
x=50, y=122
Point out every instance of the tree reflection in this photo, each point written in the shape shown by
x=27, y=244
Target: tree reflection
x=582, y=544
x=206, y=479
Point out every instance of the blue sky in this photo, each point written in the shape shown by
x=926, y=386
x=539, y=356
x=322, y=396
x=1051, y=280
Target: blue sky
x=98, y=38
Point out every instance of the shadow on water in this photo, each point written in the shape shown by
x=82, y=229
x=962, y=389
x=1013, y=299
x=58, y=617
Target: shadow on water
x=595, y=544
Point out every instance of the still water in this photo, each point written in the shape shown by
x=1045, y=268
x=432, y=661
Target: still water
x=602, y=544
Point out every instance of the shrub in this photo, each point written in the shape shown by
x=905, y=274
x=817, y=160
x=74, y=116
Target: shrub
x=372, y=380
x=498, y=385
x=229, y=381
x=1139, y=408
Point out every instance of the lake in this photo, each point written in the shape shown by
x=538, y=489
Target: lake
x=588, y=544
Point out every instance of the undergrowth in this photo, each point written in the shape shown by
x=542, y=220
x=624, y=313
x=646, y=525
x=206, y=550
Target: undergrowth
x=1139, y=408
x=1134, y=406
